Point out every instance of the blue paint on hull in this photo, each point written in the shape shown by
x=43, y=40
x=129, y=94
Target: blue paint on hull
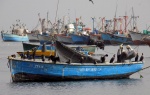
x=13, y=37
x=80, y=39
x=114, y=39
x=45, y=38
x=39, y=71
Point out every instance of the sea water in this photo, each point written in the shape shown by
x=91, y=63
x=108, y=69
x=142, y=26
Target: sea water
x=133, y=86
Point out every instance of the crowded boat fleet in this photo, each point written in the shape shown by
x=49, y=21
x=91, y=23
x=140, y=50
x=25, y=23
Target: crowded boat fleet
x=66, y=51
x=111, y=32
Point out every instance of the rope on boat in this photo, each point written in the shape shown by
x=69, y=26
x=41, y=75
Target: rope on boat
x=141, y=70
x=145, y=68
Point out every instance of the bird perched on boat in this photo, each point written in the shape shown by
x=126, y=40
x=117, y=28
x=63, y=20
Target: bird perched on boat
x=14, y=56
x=131, y=52
x=119, y=53
x=28, y=54
x=68, y=61
x=91, y=1
x=129, y=47
x=81, y=59
x=43, y=58
x=103, y=58
x=53, y=58
x=99, y=44
x=142, y=57
x=136, y=57
x=112, y=59
x=95, y=62
x=33, y=53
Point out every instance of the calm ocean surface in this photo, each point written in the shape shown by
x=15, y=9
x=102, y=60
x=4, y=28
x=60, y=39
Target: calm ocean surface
x=133, y=86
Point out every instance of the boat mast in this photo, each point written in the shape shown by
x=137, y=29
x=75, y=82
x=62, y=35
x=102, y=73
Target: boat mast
x=47, y=19
x=93, y=22
x=77, y=22
x=134, y=18
x=125, y=19
x=115, y=20
x=40, y=22
x=103, y=19
x=56, y=11
x=120, y=20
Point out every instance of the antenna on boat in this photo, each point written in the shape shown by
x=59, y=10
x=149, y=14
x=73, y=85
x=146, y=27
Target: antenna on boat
x=56, y=10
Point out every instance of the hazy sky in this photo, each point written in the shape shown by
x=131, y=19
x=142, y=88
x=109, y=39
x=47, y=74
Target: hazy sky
x=27, y=11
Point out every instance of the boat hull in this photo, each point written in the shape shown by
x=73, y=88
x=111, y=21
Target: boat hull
x=32, y=37
x=45, y=39
x=80, y=39
x=137, y=38
x=39, y=53
x=114, y=39
x=25, y=70
x=13, y=37
x=95, y=37
x=64, y=39
x=29, y=46
x=147, y=40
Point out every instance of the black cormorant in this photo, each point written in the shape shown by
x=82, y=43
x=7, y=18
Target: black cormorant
x=142, y=57
x=103, y=58
x=136, y=57
x=112, y=59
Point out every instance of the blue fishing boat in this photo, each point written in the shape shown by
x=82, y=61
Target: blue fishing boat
x=80, y=39
x=115, y=38
x=18, y=33
x=27, y=70
x=14, y=37
x=69, y=65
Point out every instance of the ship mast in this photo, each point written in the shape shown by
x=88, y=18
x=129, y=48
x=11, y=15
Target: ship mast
x=115, y=20
x=93, y=22
x=134, y=18
x=56, y=11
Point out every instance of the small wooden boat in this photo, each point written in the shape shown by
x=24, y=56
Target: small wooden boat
x=29, y=46
x=48, y=50
x=75, y=69
x=39, y=53
x=27, y=70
